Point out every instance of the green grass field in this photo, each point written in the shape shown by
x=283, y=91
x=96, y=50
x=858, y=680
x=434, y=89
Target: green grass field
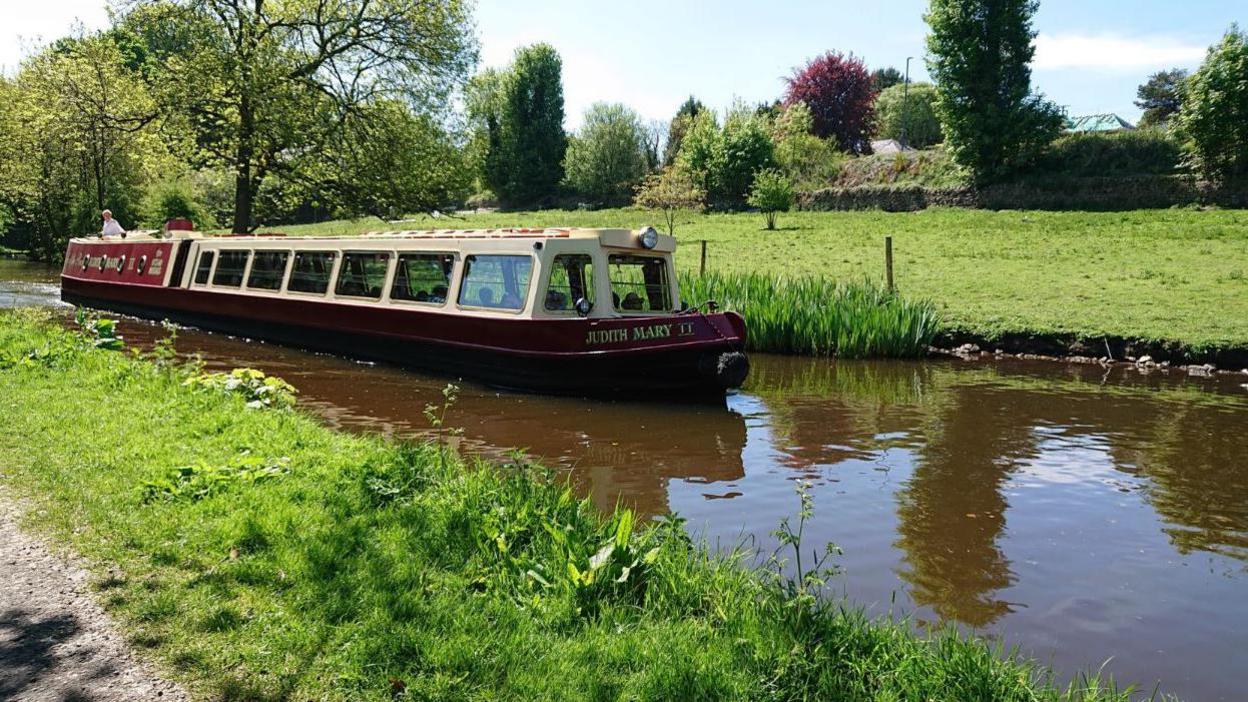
x=1178, y=275
x=261, y=556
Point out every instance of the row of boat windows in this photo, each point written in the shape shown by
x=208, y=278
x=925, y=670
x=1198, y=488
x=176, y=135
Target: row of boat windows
x=638, y=283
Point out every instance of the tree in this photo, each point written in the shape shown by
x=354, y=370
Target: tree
x=745, y=149
x=980, y=53
x=723, y=161
x=885, y=78
x=524, y=165
x=681, y=123
x=607, y=157
x=1215, y=109
x=397, y=162
x=655, y=132
x=908, y=114
x=1160, y=96
x=78, y=131
x=771, y=194
x=810, y=162
x=483, y=107
x=837, y=88
x=264, y=84
x=671, y=192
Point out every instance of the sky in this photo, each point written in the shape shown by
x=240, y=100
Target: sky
x=652, y=54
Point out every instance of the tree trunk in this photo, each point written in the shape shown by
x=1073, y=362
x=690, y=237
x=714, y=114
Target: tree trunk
x=243, y=184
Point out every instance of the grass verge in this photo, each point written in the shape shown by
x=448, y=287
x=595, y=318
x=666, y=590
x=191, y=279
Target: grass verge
x=262, y=556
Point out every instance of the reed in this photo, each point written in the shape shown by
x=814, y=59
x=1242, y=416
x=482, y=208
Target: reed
x=817, y=316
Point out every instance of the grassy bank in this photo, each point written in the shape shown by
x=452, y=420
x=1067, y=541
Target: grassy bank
x=262, y=556
x=1178, y=275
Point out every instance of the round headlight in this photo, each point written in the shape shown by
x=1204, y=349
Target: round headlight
x=649, y=238
x=584, y=307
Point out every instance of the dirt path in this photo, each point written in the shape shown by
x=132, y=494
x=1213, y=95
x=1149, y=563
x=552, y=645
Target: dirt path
x=56, y=643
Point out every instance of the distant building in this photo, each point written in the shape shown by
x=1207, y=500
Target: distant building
x=888, y=146
x=1108, y=122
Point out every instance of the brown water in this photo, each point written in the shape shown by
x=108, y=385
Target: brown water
x=1076, y=512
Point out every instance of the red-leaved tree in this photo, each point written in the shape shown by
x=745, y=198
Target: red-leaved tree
x=837, y=88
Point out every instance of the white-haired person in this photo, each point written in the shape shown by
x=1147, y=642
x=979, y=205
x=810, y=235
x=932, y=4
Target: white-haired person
x=111, y=226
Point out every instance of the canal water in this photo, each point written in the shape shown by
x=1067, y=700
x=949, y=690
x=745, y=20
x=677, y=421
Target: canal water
x=1080, y=513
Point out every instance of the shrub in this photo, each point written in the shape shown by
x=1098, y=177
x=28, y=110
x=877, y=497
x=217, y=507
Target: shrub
x=772, y=194
x=809, y=161
x=992, y=122
x=1125, y=153
x=1215, y=109
x=670, y=192
x=607, y=157
x=176, y=199
x=908, y=114
x=723, y=161
x=258, y=390
x=837, y=88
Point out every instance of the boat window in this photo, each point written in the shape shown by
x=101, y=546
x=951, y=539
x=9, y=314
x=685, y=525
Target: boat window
x=639, y=283
x=423, y=277
x=571, y=278
x=267, y=270
x=311, y=271
x=204, y=268
x=362, y=275
x=230, y=268
x=497, y=282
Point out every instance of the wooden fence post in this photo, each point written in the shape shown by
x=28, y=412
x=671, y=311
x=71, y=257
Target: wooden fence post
x=888, y=261
x=702, y=265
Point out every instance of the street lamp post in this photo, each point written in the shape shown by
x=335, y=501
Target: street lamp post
x=905, y=104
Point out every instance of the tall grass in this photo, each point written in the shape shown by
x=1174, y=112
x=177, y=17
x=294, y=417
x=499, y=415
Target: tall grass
x=365, y=569
x=816, y=316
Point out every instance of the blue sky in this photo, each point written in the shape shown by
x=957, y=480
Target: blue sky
x=651, y=54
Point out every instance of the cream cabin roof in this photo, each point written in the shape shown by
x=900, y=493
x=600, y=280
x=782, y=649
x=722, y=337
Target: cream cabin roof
x=607, y=237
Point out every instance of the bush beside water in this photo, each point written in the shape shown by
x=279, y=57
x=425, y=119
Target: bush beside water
x=335, y=566
x=816, y=316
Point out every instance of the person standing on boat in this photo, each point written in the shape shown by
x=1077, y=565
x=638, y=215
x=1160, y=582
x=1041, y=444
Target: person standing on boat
x=111, y=226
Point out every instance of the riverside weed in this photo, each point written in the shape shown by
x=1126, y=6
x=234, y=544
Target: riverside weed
x=817, y=316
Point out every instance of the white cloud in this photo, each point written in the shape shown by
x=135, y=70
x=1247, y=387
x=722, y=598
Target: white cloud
x=1113, y=52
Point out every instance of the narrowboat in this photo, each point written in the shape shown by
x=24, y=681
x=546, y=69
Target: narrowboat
x=565, y=311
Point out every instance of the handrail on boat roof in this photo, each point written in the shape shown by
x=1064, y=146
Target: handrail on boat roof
x=503, y=233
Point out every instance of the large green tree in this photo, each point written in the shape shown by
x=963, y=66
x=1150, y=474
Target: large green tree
x=524, y=164
x=808, y=161
x=680, y=124
x=1160, y=96
x=78, y=134
x=608, y=156
x=397, y=162
x=1213, y=120
x=264, y=84
x=908, y=114
x=723, y=161
x=979, y=53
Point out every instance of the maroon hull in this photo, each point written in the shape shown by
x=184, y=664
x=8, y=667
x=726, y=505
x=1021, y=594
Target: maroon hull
x=635, y=356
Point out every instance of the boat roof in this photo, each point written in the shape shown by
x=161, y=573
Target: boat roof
x=616, y=237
